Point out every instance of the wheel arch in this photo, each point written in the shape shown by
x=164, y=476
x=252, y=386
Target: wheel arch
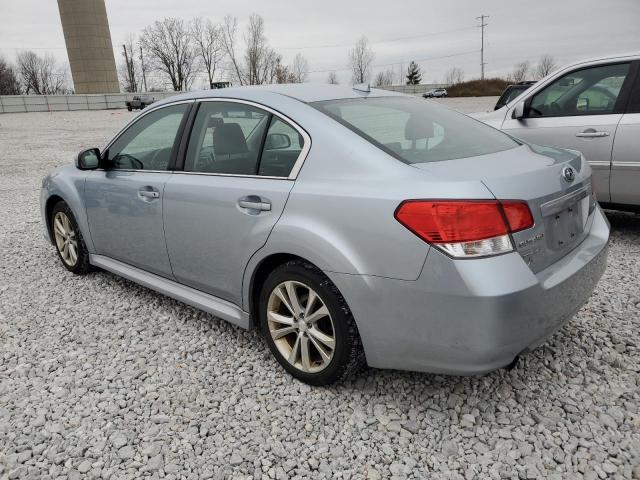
x=67, y=185
x=260, y=273
x=52, y=201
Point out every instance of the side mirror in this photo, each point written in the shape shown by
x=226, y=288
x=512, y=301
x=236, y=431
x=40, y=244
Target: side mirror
x=518, y=111
x=88, y=159
x=277, y=141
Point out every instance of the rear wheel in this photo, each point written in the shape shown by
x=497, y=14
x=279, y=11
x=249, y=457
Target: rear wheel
x=129, y=107
x=308, y=325
x=68, y=239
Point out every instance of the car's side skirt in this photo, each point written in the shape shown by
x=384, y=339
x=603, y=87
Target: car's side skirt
x=214, y=305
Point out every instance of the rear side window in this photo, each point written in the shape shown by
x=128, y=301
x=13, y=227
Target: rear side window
x=415, y=131
x=282, y=148
x=226, y=138
x=239, y=139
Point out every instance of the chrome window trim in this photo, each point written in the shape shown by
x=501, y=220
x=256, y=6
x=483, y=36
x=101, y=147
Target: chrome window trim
x=240, y=175
x=294, y=170
x=293, y=174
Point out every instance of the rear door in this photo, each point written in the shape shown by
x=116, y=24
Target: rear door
x=625, y=165
x=238, y=169
x=580, y=110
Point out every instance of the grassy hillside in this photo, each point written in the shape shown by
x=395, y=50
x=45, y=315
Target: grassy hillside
x=478, y=88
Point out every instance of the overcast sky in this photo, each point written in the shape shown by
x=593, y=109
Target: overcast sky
x=438, y=35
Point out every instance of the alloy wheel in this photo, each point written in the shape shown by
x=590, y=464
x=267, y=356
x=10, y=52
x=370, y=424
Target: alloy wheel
x=301, y=326
x=66, y=239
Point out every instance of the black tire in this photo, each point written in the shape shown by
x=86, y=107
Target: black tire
x=129, y=107
x=348, y=355
x=81, y=265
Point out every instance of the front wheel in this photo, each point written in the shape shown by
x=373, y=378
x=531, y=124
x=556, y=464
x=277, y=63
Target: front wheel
x=308, y=325
x=69, y=242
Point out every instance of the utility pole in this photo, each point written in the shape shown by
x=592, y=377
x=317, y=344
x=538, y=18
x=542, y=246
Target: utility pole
x=482, y=25
x=144, y=74
x=130, y=78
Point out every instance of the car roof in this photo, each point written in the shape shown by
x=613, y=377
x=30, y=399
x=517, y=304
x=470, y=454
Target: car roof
x=606, y=58
x=303, y=92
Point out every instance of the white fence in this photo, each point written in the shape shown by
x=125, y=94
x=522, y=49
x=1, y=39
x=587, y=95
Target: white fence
x=55, y=103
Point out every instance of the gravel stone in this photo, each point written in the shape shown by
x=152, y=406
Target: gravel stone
x=102, y=378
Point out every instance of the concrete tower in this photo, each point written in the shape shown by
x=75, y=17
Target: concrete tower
x=86, y=34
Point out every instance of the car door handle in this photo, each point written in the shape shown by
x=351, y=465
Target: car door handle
x=148, y=194
x=255, y=205
x=592, y=134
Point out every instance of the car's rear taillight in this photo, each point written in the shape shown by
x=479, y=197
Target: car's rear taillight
x=466, y=228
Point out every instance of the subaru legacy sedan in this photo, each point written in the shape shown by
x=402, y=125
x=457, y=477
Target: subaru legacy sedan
x=351, y=226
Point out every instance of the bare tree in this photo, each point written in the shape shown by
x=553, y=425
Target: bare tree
x=384, y=78
x=229, y=33
x=520, y=72
x=171, y=49
x=300, y=68
x=9, y=84
x=209, y=46
x=454, y=75
x=129, y=69
x=332, y=78
x=360, y=58
x=40, y=75
x=546, y=65
x=261, y=60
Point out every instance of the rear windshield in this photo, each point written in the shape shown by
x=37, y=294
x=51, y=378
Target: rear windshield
x=415, y=130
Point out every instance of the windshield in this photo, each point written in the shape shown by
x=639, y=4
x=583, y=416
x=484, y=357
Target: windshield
x=415, y=131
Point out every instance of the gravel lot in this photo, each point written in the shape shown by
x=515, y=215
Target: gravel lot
x=101, y=378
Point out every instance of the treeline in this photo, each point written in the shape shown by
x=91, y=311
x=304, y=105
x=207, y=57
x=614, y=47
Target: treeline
x=33, y=74
x=175, y=52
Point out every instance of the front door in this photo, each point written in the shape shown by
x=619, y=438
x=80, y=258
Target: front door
x=124, y=200
x=581, y=111
x=234, y=186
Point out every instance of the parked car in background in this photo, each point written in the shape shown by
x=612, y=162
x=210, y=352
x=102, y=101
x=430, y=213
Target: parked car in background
x=436, y=93
x=350, y=226
x=512, y=91
x=139, y=102
x=590, y=106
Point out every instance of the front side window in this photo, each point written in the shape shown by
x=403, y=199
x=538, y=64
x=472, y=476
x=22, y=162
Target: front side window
x=590, y=91
x=147, y=144
x=226, y=138
x=414, y=131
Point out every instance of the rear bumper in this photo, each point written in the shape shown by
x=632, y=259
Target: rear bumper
x=471, y=316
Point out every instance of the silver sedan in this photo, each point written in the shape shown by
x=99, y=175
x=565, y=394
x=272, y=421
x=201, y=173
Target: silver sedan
x=351, y=226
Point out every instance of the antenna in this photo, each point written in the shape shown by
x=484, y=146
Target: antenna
x=482, y=62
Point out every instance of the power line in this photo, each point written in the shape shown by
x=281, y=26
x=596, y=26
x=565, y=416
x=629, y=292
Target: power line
x=482, y=62
x=397, y=39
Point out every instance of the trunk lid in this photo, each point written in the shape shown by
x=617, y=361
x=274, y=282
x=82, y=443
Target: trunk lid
x=562, y=209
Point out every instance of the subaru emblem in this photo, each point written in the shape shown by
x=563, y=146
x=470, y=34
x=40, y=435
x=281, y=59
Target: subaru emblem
x=569, y=174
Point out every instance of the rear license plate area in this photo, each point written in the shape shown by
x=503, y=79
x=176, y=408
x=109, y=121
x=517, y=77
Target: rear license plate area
x=565, y=227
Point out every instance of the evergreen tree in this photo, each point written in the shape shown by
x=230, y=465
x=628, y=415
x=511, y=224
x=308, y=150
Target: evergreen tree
x=414, y=74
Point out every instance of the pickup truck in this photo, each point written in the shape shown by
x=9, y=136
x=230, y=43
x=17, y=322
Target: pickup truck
x=139, y=102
